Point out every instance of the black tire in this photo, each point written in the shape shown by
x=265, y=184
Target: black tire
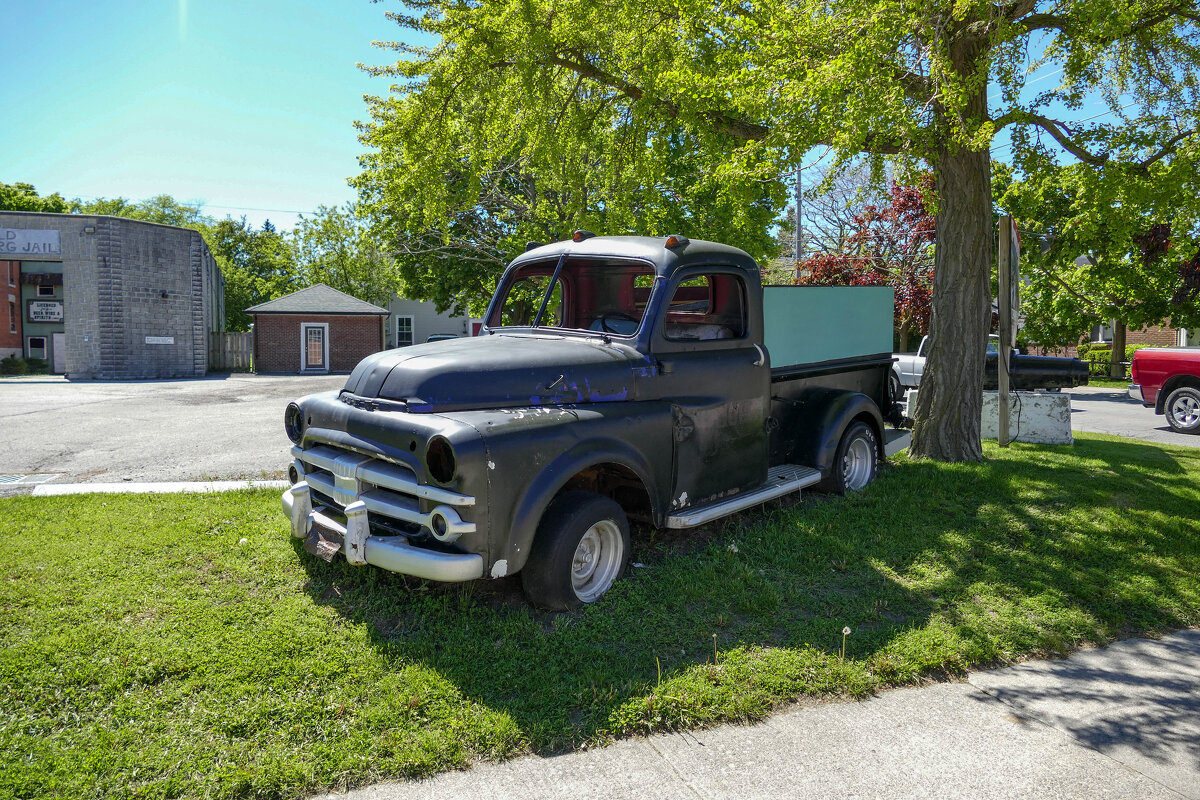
x=1183, y=410
x=563, y=572
x=895, y=388
x=856, y=461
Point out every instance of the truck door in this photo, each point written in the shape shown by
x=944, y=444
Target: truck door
x=717, y=380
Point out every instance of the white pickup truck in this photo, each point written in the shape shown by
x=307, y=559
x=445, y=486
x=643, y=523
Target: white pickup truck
x=1026, y=372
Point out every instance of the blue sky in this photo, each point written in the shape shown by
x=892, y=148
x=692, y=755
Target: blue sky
x=240, y=105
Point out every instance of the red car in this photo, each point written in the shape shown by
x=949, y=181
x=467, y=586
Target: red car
x=1168, y=378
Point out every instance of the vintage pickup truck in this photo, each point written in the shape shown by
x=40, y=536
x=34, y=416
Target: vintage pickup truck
x=1026, y=372
x=1167, y=379
x=614, y=377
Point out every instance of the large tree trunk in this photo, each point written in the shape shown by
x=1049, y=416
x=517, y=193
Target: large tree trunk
x=950, y=400
x=1116, y=368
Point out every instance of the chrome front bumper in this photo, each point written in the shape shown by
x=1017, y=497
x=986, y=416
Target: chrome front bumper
x=392, y=553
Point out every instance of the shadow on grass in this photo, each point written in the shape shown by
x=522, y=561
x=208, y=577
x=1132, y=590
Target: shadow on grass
x=935, y=569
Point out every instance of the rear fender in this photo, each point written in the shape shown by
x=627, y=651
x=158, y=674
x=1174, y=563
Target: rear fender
x=826, y=415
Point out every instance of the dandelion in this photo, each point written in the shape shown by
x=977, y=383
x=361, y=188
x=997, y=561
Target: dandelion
x=845, y=633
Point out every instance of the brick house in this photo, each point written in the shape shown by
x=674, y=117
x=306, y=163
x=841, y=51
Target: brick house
x=315, y=330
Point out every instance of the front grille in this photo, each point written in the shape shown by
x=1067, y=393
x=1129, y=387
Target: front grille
x=393, y=494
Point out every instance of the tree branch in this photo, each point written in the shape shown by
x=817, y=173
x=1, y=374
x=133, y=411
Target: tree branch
x=721, y=122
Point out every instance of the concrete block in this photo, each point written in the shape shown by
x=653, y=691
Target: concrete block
x=1034, y=417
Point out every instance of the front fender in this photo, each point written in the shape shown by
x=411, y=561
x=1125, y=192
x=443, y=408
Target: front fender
x=528, y=511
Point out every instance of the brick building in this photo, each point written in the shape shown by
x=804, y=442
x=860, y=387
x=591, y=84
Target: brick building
x=317, y=329
x=103, y=298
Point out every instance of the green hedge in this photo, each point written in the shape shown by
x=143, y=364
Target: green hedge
x=15, y=365
x=1099, y=356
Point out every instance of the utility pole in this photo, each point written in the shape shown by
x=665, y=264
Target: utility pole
x=1004, y=299
x=799, y=225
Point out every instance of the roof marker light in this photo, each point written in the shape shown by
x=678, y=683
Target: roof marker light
x=581, y=235
x=675, y=240
x=533, y=246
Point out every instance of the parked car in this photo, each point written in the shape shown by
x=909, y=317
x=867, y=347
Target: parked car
x=614, y=377
x=1026, y=373
x=1167, y=379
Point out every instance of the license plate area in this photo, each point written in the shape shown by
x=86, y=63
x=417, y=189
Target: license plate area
x=323, y=541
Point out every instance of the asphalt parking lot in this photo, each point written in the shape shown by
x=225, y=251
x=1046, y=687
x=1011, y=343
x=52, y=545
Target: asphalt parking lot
x=230, y=426
x=1097, y=409
x=222, y=426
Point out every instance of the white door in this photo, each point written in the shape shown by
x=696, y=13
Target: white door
x=314, y=347
x=58, y=348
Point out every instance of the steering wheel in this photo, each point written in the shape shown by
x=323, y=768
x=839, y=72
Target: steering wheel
x=604, y=319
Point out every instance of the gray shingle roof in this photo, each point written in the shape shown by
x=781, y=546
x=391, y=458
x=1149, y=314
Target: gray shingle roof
x=317, y=299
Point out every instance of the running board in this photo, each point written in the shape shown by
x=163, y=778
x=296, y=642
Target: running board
x=781, y=480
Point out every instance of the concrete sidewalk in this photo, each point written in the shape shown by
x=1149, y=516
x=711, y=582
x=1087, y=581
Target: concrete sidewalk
x=1122, y=722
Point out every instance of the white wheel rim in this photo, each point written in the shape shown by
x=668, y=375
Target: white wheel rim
x=596, y=561
x=1186, y=411
x=857, y=463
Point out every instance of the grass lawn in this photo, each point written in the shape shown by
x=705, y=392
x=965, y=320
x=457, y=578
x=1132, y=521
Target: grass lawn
x=185, y=646
x=1109, y=383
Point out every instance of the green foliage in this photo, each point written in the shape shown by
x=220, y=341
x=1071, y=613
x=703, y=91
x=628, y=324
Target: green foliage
x=23, y=197
x=337, y=247
x=258, y=265
x=163, y=209
x=1108, y=242
x=1099, y=356
x=187, y=646
x=14, y=365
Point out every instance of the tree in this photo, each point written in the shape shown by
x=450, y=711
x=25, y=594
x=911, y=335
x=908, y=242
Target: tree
x=258, y=265
x=752, y=85
x=336, y=246
x=23, y=197
x=886, y=245
x=1114, y=242
x=453, y=236
x=163, y=209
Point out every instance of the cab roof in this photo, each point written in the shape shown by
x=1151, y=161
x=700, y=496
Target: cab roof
x=666, y=261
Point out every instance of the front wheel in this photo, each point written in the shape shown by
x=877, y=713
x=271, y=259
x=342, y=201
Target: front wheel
x=1183, y=410
x=856, y=461
x=580, y=550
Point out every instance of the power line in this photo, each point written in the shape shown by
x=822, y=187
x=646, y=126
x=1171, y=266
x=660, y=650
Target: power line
x=1086, y=119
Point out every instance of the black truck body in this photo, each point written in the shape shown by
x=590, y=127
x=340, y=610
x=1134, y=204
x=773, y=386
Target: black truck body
x=614, y=377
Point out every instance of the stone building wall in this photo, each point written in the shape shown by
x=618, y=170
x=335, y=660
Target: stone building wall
x=139, y=298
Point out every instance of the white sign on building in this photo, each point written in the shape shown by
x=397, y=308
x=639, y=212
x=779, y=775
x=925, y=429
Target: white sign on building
x=45, y=311
x=21, y=242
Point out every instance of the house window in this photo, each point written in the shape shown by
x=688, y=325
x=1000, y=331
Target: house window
x=1101, y=333
x=404, y=331
x=12, y=317
x=12, y=273
x=45, y=291
x=36, y=346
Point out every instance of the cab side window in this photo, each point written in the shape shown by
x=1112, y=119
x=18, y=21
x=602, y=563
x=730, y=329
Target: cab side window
x=704, y=307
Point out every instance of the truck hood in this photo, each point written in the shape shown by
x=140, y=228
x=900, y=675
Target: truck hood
x=499, y=371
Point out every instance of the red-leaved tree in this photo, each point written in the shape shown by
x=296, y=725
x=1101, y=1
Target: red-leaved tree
x=891, y=245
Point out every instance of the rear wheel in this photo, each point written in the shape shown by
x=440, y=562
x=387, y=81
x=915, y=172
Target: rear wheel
x=1183, y=409
x=856, y=461
x=895, y=389
x=580, y=550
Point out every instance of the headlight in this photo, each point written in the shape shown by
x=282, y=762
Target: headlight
x=439, y=460
x=293, y=422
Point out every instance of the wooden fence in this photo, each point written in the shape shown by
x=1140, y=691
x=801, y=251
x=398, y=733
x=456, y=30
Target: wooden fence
x=230, y=352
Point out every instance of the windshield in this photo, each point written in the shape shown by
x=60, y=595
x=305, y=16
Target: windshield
x=588, y=294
